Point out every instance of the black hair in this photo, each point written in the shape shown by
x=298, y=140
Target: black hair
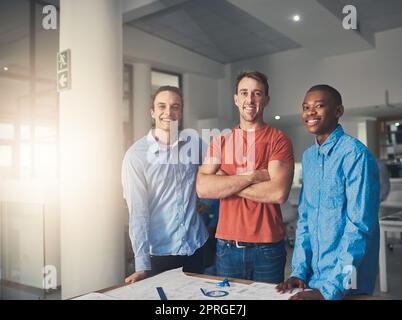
x=335, y=95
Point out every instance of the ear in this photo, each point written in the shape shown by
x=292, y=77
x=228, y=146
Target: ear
x=267, y=100
x=235, y=100
x=152, y=113
x=339, y=111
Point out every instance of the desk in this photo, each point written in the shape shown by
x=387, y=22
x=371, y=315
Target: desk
x=242, y=281
x=391, y=223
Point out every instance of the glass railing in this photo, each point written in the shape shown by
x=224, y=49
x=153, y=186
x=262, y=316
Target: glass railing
x=22, y=250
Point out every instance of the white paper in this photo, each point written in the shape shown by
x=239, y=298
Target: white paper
x=95, y=296
x=179, y=286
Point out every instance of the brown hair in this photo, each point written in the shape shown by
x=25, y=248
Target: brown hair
x=171, y=89
x=258, y=76
x=167, y=88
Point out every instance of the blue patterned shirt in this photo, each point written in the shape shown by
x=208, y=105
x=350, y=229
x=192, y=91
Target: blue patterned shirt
x=160, y=192
x=337, y=237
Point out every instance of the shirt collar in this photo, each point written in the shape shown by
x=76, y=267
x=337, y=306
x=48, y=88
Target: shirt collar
x=327, y=146
x=155, y=146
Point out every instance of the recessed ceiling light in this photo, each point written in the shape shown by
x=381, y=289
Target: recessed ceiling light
x=277, y=117
x=296, y=18
x=5, y=68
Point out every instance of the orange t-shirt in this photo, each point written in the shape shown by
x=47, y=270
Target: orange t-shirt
x=239, y=151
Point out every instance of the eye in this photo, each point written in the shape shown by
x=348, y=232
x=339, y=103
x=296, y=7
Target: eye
x=258, y=94
x=243, y=93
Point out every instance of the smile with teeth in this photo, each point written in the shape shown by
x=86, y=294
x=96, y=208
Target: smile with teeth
x=249, y=109
x=312, y=122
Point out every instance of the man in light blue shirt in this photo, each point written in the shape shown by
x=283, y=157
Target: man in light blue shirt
x=337, y=237
x=158, y=175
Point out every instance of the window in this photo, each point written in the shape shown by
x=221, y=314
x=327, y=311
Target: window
x=164, y=78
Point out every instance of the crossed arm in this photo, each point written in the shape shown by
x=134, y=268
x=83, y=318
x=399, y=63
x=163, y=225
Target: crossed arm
x=268, y=186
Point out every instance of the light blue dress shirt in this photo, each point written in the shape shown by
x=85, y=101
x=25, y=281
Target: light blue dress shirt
x=337, y=237
x=159, y=187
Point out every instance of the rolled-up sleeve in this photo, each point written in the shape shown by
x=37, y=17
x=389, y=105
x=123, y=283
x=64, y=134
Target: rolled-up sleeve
x=362, y=195
x=136, y=195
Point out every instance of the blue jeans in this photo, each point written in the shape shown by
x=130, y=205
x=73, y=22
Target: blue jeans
x=263, y=262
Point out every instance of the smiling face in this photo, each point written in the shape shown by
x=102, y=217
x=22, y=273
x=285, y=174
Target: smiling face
x=320, y=114
x=167, y=107
x=251, y=101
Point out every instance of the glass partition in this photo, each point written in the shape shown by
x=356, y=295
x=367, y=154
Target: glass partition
x=22, y=250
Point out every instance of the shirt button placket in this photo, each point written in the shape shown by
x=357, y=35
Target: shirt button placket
x=317, y=233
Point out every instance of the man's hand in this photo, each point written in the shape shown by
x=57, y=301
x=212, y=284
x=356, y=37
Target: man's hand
x=314, y=294
x=291, y=284
x=258, y=176
x=136, y=276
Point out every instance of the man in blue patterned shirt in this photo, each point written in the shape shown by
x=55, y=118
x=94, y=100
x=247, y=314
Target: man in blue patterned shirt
x=337, y=237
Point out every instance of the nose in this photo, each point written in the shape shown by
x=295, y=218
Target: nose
x=250, y=98
x=312, y=111
x=169, y=110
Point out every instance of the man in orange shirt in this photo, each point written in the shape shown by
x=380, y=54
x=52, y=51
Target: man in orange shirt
x=251, y=171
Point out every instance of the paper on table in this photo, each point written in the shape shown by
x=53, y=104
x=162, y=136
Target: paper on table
x=179, y=286
x=95, y=296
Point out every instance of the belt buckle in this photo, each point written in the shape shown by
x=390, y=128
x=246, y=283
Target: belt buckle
x=239, y=246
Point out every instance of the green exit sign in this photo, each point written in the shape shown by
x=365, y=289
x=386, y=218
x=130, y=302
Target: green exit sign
x=64, y=70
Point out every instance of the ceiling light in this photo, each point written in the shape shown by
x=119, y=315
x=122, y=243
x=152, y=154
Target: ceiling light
x=296, y=18
x=5, y=68
x=277, y=117
x=397, y=124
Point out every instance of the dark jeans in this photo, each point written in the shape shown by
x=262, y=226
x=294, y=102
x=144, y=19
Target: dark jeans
x=262, y=262
x=193, y=263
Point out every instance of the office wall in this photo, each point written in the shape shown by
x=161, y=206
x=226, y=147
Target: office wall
x=372, y=137
x=200, y=99
x=301, y=139
x=367, y=133
x=361, y=77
